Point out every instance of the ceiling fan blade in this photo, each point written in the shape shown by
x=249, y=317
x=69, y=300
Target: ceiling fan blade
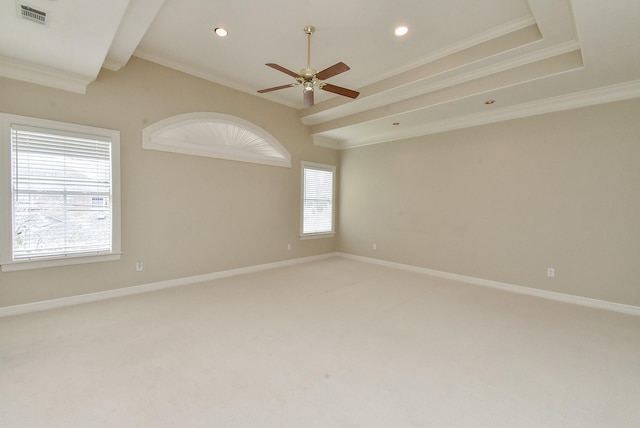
x=340, y=90
x=334, y=70
x=284, y=70
x=308, y=99
x=275, y=88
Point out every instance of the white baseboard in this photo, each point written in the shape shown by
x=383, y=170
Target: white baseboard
x=145, y=288
x=551, y=295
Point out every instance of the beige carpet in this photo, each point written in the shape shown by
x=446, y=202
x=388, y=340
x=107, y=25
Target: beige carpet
x=333, y=343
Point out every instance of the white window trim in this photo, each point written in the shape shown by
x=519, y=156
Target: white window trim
x=152, y=139
x=316, y=235
x=6, y=220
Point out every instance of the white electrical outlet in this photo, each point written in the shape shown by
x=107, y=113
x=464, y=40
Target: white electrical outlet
x=551, y=272
x=288, y=247
x=374, y=246
x=139, y=266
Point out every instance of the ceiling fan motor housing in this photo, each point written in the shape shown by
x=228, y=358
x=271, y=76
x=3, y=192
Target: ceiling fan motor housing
x=307, y=73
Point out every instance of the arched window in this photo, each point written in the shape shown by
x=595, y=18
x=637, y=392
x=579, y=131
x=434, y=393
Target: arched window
x=215, y=135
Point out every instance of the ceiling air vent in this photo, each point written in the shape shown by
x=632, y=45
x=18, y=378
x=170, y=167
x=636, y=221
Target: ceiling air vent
x=32, y=14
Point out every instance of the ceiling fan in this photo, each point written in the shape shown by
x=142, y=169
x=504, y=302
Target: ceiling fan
x=310, y=78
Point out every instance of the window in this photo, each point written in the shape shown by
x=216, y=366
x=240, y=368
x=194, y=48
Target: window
x=317, y=199
x=62, y=200
x=216, y=135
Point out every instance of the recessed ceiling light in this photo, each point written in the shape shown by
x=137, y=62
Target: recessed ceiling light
x=401, y=31
x=220, y=32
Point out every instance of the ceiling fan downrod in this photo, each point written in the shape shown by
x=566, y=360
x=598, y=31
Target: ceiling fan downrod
x=308, y=73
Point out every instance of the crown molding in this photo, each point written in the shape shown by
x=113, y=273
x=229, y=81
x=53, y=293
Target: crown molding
x=202, y=75
x=326, y=142
x=493, y=33
x=602, y=95
x=427, y=85
x=46, y=76
x=112, y=64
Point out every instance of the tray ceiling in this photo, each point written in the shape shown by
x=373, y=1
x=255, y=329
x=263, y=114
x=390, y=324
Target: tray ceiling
x=528, y=57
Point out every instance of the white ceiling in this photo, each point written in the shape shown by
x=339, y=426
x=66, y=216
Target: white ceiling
x=530, y=56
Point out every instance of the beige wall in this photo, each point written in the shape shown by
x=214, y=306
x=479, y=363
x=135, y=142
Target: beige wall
x=181, y=215
x=500, y=202
x=505, y=201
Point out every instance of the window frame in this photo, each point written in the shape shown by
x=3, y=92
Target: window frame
x=213, y=146
x=322, y=167
x=7, y=262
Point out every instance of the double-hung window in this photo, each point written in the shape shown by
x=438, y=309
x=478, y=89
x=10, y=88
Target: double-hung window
x=318, y=184
x=60, y=199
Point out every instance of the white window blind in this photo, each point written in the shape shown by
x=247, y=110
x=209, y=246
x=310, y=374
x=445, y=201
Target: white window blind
x=62, y=195
x=317, y=200
x=215, y=135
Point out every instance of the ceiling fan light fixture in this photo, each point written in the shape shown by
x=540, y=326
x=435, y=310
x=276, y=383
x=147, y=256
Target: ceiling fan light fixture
x=401, y=31
x=220, y=32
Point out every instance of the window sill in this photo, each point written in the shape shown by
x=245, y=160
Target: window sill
x=317, y=235
x=62, y=261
